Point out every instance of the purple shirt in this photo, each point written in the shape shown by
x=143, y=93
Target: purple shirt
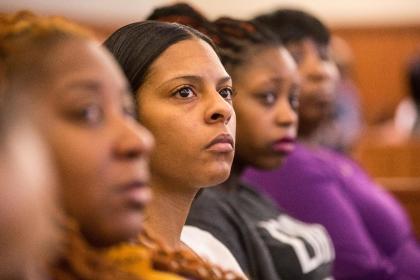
x=371, y=233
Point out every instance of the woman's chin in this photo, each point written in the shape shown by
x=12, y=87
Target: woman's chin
x=217, y=175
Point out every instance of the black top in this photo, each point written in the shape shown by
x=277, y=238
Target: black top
x=267, y=243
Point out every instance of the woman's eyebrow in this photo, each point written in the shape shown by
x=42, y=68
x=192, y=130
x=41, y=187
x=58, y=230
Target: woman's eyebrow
x=224, y=80
x=197, y=79
x=91, y=86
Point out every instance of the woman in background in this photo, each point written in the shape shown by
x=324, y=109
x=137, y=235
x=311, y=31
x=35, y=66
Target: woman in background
x=370, y=232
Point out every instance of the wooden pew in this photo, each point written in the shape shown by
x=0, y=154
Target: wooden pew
x=390, y=160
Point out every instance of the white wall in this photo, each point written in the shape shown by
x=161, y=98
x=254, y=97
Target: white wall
x=338, y=12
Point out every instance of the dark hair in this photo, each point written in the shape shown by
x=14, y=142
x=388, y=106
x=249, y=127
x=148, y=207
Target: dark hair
x=136, y=46
x=414, y=79
x=181, y=13
x=235, y=39
x=294, y=25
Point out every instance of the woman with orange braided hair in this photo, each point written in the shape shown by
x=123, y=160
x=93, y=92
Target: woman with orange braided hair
x=28, y=237
x=183, y=96
x=79, y=100
x=267, y=242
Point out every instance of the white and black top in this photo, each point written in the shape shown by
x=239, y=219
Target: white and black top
x=267, y=243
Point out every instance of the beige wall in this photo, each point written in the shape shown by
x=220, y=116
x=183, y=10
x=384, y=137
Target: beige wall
x=341, y=12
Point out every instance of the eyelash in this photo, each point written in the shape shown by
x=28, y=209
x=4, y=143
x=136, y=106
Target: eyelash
x=231, y=93
x=177, y=93
x=91, y=114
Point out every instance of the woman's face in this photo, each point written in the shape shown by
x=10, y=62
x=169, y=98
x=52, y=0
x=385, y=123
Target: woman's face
x=186, y=103
x=319, y=76
x=266, y=103
x=101, y=152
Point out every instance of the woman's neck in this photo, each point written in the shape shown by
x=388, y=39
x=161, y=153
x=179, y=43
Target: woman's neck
x=168, y=211
x=235, y=174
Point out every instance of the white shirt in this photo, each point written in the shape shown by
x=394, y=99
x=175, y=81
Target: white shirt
x=208, y=247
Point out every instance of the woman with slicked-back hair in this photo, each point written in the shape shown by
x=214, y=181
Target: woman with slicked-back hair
x=184, y=97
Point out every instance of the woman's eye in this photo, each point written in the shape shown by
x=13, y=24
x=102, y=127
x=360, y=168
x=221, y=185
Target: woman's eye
x=226, y=93
x=91, y=115
x=294, y=100
x=185, y=92
x=267, y=98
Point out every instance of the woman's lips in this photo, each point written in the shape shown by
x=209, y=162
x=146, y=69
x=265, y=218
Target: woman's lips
x=137, y=193
x=285, y=145
x=223, y=143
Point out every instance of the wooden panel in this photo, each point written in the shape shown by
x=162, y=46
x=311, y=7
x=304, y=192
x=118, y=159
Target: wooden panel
x=396, y=160
x=381, y=55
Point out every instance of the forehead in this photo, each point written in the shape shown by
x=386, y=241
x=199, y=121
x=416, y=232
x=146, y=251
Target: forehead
x=268, y=62
x=80, y=59
x=308, y=47
x=187, y=57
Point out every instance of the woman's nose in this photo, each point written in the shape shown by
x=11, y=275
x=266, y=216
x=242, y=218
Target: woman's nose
x=133, y=141
x=219, y=109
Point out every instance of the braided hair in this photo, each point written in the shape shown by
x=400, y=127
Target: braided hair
x=239, y=39
x=235, y=39
x=24, y=40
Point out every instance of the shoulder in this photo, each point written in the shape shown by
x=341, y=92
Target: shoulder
x=208, y=202
x=207, y=246
x=212, y=212
x=308, y=165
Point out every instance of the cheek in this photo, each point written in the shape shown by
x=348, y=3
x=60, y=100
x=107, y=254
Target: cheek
x=308, y=89
x=80, y=159
x=251, y=120
x=174, y=130
x=250, y=132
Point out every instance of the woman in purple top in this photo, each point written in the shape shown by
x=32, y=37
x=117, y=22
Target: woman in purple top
x=371, y=234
